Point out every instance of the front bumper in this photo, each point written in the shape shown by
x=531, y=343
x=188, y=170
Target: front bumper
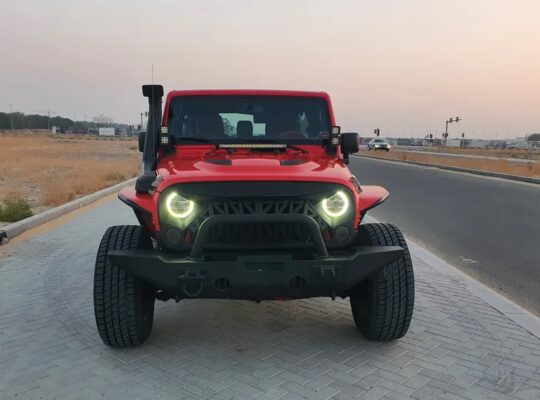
x=257, y=277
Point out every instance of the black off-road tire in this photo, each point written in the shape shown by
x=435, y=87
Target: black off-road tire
x=382, y=306
x=123, y=304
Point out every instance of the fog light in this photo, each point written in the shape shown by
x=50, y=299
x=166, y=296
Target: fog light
x=178, y=206
x=173, y=235
x=336, y=205
x=342, y=233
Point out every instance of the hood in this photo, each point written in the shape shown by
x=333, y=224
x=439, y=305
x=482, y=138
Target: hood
x=201, y=164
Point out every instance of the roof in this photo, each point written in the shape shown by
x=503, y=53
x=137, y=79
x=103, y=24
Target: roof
x=246, y=92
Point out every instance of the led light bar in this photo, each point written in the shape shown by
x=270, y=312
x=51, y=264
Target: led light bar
x=252, y=146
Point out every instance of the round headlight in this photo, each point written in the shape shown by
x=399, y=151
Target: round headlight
x=336, y=205
x=178, y=206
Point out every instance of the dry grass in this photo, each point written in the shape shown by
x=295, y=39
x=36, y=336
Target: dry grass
x=48, y=170
x=503, y=166
x=525, y=154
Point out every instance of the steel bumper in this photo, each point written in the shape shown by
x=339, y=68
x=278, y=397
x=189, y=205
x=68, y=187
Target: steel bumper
x=256, y=277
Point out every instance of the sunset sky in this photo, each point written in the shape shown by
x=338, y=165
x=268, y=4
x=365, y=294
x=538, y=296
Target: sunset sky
x=403, y=66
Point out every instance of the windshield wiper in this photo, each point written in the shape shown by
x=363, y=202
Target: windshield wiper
x=297, y=148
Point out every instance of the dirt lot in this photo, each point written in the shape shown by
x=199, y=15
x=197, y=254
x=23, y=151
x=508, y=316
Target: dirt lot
x=524, y=154
x=503, y=166
x=48, y=170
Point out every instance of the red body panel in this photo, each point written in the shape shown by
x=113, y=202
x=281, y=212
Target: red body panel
x=371, y=196
x=143, y=201
x=197, y=163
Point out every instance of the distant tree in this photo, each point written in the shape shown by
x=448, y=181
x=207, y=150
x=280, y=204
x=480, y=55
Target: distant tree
x=35, y=121
x=4, y=121
x=534, y=137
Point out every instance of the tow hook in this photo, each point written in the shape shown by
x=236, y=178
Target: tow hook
x=187, y=278
x=328, y=273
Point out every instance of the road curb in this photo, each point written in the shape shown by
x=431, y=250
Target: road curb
x=10, y=231
x=459, y=169
x=499, y=302
x=505, y=306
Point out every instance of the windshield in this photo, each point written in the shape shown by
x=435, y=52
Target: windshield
x=248, y=119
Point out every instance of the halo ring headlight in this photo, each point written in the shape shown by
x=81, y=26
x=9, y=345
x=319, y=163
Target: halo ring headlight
x=336, y=205
x=178, y=206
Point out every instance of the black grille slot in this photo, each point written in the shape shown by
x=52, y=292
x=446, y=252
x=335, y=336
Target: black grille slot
x=259, y=236
x=246, y=207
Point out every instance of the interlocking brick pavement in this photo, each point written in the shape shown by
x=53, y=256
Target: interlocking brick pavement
x=458, y=346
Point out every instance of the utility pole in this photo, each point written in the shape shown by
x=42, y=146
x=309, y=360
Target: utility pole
x=141, y=128
x=48, y=120
x=11, y=115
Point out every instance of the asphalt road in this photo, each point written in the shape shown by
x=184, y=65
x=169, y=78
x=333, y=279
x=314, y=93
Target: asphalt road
x=488, y=227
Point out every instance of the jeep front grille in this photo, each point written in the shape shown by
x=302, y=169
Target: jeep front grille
x=258, y=235
x=246, y=207
x=257, y=199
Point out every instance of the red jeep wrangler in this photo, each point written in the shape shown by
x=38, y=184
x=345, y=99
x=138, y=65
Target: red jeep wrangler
x=246, y=194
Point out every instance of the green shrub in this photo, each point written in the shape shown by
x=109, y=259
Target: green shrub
x=14, y=209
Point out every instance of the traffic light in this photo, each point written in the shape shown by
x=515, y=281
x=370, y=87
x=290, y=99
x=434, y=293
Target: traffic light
x=376, y=132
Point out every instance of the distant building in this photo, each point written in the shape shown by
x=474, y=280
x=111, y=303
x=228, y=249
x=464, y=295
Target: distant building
x=453, y=143
x=107, y=132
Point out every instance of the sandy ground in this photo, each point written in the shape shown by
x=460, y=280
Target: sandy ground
x=48, y=170
x=503, y=166
x=523, y=154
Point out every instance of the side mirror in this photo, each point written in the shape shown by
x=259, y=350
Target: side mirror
x=142, y=138
x=349, y=144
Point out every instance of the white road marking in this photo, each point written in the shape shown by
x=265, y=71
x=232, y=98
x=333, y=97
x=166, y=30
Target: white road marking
x=468, y=260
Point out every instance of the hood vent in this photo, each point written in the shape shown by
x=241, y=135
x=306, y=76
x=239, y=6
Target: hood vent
x=285, y=163
x=219, y=162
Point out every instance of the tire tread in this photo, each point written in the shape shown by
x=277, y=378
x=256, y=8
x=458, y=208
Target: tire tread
x=387, y=298
x=116, y=292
